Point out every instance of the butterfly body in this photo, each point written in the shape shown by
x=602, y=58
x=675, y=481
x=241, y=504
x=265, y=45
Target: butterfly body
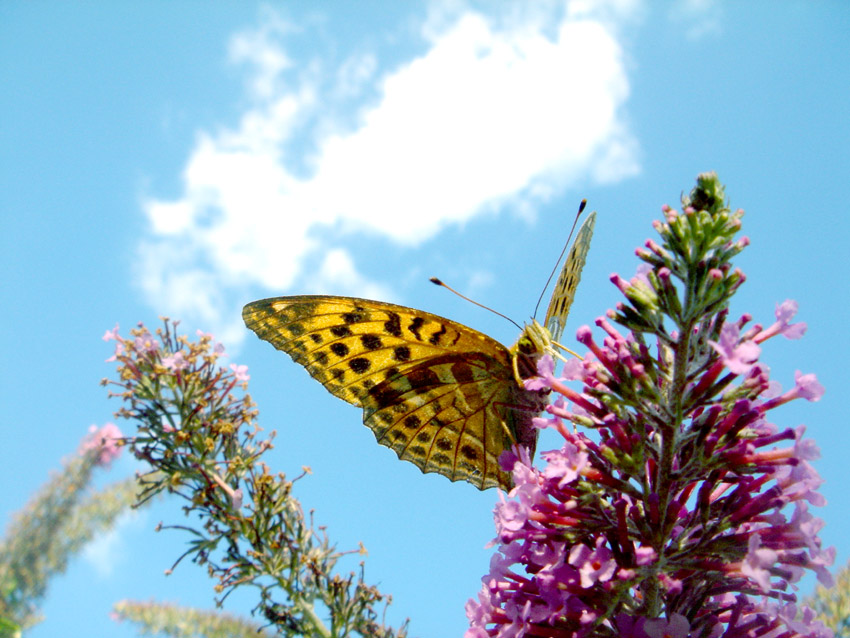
x=446, y=397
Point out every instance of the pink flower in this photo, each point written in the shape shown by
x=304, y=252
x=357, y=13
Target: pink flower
x=676, y=626
x=175, y=362
x=564, y=465
x=738, y=356
x=807, y=386
x=111, y=335
x=629, y=626
x=146, y=342
x=510, y=516
x=784, y=313
x=645, y=555
x=119, y=351
x=594, y=566
x=240, y=372
x=668, y=496
x=758, y=561
x=106, y=439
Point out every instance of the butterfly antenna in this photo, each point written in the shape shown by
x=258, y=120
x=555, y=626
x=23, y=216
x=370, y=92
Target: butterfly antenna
x=561, y=256
x=438, y=282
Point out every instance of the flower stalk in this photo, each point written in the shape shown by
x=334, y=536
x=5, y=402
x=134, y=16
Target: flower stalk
x=199, y=436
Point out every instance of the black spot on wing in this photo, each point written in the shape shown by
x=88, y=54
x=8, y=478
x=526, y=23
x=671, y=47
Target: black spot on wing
x=370, y=341
x=393, y=324
x=360, y=364
x=341, y=331
x=339, y=349
x=444, y=444
x=462, y=372
x=469, y=452
x=435, y=337
x=415, y=326
x=295, y=328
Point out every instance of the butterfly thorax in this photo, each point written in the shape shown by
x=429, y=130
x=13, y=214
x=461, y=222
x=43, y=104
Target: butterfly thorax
x=533, y=343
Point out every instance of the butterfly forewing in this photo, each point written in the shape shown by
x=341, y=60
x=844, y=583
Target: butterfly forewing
x=568, y=280
x=440, y=394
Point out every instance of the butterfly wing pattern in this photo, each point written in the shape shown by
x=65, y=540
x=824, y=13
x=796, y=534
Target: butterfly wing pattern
x=565, y=289
x=440, y=394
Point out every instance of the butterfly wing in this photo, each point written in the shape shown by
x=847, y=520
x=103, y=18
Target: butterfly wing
x=565, y=289
x=440, y=394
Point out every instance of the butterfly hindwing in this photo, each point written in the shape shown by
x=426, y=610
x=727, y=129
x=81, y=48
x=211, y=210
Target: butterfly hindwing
x=440, y=394
x=568, y=280
x=445, y=415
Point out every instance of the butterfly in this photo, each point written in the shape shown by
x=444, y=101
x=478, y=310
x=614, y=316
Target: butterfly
x=443, y=396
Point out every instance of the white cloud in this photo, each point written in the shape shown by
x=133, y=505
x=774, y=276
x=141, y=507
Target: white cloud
x=494, y=112
x=106, y=551
x=254, y=48
x=480, y=119
x=354, y=73
x=698, y=18
x=338, y=269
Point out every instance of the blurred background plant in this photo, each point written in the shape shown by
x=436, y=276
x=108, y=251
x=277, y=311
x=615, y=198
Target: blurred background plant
x=833, y=604
x=59, y=520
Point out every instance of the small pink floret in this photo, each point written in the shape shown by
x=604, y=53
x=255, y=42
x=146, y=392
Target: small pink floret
x=106, y=439
x=807, y=386
x=111, y=335
x=240, y=372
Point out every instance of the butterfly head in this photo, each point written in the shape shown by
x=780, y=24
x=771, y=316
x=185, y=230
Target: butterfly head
x=535, y=339
x=533, y=343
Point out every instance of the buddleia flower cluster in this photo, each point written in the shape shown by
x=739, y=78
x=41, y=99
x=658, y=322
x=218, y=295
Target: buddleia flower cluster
x=675, y=507
x=197, y=432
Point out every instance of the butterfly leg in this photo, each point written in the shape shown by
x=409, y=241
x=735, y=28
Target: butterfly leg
x=515, y=366
x=508, y=432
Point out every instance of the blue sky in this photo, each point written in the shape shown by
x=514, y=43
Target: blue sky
x=186, y=161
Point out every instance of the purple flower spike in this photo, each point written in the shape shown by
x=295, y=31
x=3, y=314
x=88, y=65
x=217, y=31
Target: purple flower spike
x=664, y=512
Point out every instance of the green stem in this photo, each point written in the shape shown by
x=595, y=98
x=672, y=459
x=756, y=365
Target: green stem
x=309, y=613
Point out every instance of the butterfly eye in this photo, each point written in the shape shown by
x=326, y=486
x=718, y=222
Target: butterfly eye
x=525, y=345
